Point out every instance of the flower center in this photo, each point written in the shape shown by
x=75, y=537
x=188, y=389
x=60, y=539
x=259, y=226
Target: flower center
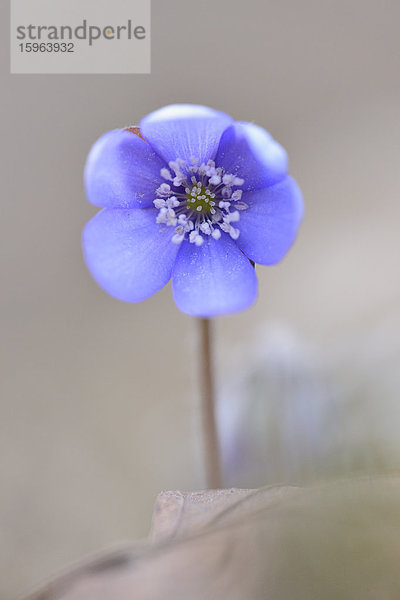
x=199, y=201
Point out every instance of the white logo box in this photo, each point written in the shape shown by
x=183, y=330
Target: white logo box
x=80, y=36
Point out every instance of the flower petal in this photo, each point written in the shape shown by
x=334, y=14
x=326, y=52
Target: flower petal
x=185, y=131
x=269, y=226
x=213, y=279
x=122, y=171
x=249, y=152
x=128, y=253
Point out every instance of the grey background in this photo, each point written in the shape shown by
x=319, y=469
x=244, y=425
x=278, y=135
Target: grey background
x=98, y=405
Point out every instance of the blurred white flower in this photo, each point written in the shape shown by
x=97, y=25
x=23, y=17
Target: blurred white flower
x=291, y=411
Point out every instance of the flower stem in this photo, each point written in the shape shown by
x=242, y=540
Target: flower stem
x=210, y=436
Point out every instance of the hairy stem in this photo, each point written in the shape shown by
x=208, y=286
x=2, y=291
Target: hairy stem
x=210, y=436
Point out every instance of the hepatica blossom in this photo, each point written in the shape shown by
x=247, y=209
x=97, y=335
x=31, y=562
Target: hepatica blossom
x=194, y=197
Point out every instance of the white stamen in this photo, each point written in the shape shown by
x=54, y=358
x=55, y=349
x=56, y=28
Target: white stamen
x=237, y=194
x=199, y=241
x=166, y=174
x=178, y=180
x=164, y=189
x=172, y=202
x=205, y=228
x=233, y=217
x=241, y=205
x=159, y=203
x=199, y=203
x=178, y=239
x=228, y=179
x=224, y=205
x=226, y=192
x=225, y=227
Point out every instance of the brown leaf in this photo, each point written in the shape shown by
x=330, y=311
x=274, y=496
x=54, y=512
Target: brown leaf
x=136, y=131
x=325, y=542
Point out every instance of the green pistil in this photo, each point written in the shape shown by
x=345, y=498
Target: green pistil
x=199, y=199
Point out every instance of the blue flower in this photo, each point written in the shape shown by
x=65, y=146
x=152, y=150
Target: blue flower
x=195, y=197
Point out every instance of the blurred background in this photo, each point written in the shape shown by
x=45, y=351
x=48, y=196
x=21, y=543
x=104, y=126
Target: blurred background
x=99, y=402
